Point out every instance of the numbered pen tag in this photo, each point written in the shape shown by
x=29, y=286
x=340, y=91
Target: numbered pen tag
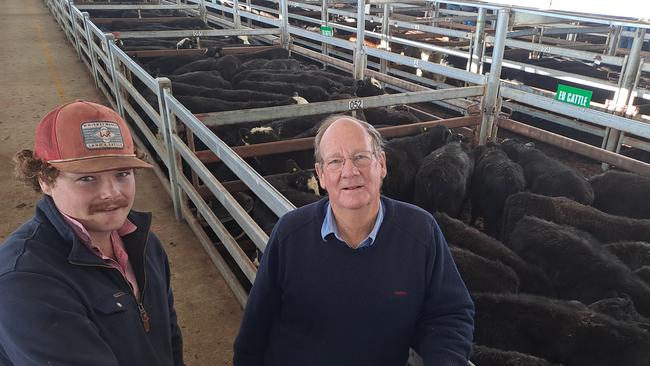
x=356, y=104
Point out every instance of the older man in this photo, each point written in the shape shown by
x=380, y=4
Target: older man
x=84, y=282
x=355, y=279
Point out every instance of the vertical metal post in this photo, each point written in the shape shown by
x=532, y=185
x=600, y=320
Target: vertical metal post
x=69, y=24
x=436, y=13
x=91, y=50
x=249, y=21
x=477, y=51
x=325, y=21
x=490, y=102
x=613, y=38
x=108, y=38
x=624, y=94
x=57, y=13
x=236, y=17
x=203, y=11
x=284, y=23
x=385, y=34
x=75, y=36
x=168, y=130
x=359, y=55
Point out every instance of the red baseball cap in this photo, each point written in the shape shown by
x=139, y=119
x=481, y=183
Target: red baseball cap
x=85, y=137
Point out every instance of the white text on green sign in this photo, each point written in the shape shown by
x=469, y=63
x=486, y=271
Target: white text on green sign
x=575, y=96
x=326, y=31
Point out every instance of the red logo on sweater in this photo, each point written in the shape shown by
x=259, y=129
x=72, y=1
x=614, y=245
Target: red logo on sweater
x=400, y=293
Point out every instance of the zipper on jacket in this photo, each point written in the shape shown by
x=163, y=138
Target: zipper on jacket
x=143, y=312
x=144, y=317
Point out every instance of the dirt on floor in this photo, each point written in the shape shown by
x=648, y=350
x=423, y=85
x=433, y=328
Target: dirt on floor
x=40, y=71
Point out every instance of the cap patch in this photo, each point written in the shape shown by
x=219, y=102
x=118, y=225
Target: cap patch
x=102, y=135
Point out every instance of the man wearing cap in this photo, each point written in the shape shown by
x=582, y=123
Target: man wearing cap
x=84, y=282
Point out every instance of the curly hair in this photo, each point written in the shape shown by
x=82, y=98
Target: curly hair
x=29, y=169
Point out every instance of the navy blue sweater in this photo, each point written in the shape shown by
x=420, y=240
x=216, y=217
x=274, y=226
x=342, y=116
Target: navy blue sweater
x=318, y=302
x=61, y=305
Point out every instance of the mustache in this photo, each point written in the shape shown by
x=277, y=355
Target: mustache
x=112, y=204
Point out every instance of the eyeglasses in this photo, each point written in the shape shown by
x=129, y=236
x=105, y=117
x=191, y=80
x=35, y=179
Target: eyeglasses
x=361, y=159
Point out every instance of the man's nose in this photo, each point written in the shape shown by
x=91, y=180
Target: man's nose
x=349, y=168
x=109, y=188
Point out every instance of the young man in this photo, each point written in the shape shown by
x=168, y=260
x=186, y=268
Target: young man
x=355, y=279
x=84, y=282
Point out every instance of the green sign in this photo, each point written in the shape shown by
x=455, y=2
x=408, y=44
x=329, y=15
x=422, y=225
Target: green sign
x=327, y=31
x=575, y=96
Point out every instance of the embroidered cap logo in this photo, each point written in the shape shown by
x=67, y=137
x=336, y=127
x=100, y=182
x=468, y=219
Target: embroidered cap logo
x=102, y=135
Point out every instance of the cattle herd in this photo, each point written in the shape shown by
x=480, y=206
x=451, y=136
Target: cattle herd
x=558, y=264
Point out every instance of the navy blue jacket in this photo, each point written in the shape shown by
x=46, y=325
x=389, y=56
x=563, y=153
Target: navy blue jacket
x=61, y=305
x=317, y=302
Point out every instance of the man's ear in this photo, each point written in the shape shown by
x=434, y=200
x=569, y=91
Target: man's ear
x=319, y=174
x=45, y=187
x=382, y=163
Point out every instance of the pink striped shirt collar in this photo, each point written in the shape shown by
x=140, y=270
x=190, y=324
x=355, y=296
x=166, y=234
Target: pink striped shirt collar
x=122, y=264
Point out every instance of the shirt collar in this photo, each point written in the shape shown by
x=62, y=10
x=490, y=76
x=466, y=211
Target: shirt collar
x=329, y=226
x=83, y=234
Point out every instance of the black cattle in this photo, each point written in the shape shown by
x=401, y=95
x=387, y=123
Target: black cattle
x=622, y=309
x=604, y=227
x=644, y=273
x=403, y=158
x=635, y=254
x=557, y=331
x=206, y=105
x=208, y=79
x=391, y=115
x=227, y=94
x=531, y=279
x=207, y=64
x=311, y=93
x=622, y=193
x=299, y=186
x=297, y=126
x=268, y=54
x=486, y=356
x=297, y=179
x=547, y=176
x=275, y=64
x=274, y=163
x=289, y=76
x=484, y=275
x=228, y=66
x=443, y=178
x=578, y=266
x=495, y=178
x=341, y=79
x=166, y=65
x=368, y=87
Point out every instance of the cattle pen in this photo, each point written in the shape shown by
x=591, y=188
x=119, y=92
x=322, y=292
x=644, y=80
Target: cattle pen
x=478, y=68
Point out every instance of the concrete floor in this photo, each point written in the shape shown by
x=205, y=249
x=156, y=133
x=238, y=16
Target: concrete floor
x=41, y=70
